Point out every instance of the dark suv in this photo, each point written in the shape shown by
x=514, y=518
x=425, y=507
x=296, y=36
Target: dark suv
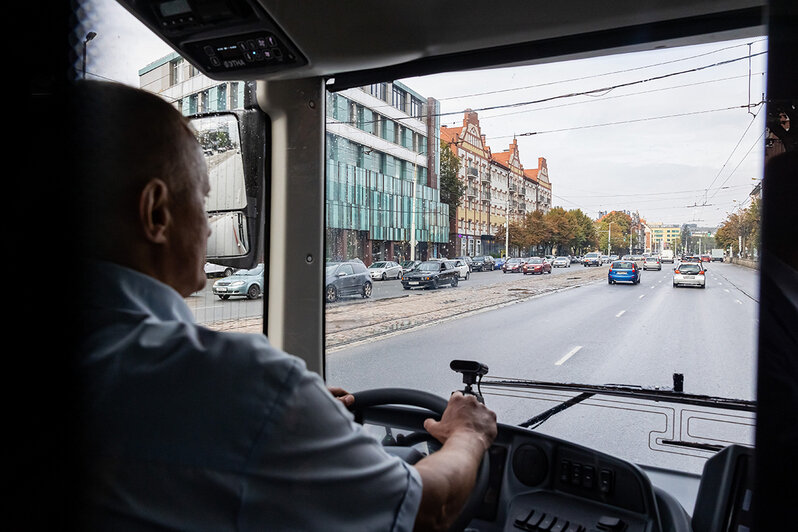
x=431, y=274
x=349, y=278
x=482, y=264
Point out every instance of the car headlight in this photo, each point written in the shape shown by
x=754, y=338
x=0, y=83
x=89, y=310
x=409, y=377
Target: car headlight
x=237, y=283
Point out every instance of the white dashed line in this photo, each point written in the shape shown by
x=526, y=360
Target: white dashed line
x=641, y=296
x=568, y=355
x=726, y=290
x=738, y=301
x=620, y=314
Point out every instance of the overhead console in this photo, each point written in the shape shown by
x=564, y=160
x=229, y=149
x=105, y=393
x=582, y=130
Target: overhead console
x=224, y=39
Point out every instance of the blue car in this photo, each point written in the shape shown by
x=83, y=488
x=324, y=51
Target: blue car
x=623, y=271
x=499, y=263
x=247, y=283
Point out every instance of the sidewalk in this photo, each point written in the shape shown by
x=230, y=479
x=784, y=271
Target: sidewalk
x=349, y=324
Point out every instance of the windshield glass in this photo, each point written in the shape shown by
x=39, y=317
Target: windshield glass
x=689, y=268
x=507, y=162
x=535, y=261
x=623, y=265
x=429, y=266
x=377, y=265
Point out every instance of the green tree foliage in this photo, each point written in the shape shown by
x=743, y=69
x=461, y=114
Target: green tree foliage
x=452, y=189
x=741, y=228
x=621, y=225
x=564, y=231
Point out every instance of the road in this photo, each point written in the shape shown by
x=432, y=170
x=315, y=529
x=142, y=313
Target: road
x=593, y=334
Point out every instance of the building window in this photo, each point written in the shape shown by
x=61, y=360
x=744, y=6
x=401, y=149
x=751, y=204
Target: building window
x=175, y=71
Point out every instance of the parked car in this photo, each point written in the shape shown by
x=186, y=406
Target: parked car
x=561, y=262
x=591, y=259
x=246, y=283
x=536, y=265
x=549, y=258
x=652, y=263
x=605, y=259
x=706, y=258
x=386, y=269
x=614, y=257
x=690, y=274
x=431, y=274
x=498, y=263
x=575, y=259
x=349, y=278
x=513, y=265
x=462, y=267
x=623, y=271
x=484, y=263
x=408, y=265
x=217, y=270
x=469, y=262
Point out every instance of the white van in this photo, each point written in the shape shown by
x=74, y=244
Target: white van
x=667, y=255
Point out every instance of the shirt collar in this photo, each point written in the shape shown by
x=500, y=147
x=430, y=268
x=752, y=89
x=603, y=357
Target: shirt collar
x=112, y=286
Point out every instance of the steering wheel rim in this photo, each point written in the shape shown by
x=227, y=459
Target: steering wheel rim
x=435, y=404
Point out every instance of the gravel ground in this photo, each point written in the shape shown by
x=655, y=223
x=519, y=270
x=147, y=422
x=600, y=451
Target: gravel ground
x=368, y=319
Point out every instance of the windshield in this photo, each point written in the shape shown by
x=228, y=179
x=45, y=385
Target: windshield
x=689, y=268
x=535, y=261
x=377, y=265
x=506, y=163
x=429, y=266
x=618, y=155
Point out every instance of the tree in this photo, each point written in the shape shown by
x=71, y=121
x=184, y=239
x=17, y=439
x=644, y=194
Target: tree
x=621, y=225
x=562, y=229
x=452, y=189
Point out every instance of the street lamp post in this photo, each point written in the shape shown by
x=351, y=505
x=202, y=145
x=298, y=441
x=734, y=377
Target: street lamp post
x=89, y=36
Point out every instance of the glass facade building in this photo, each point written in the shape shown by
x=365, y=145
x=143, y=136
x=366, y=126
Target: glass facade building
x=382, y=191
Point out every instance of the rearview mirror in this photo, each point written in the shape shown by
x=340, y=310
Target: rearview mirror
x=236, y=173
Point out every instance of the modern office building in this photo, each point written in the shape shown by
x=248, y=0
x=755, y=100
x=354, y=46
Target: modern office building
x=383, y=161
x=177, y=81
x=664, y=236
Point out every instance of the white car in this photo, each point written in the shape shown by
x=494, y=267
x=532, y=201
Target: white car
x=217, y=270
x=385, y=269
x=561, y=262
x=461, y=266
x=690, y=274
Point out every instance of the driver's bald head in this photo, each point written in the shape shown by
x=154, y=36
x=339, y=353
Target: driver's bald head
x=125, y=137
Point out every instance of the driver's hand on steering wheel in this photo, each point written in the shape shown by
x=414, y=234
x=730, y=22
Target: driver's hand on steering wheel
x=464, y=415
x=342, y=395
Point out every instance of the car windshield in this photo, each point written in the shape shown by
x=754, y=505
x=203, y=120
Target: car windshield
x=535, y=260
x=431, y=266
x=622, y=265
x=536, y=160
x=377, y=265
x=689, y=268
x=562, y=258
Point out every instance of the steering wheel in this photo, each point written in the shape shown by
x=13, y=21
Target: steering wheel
x=435, y=404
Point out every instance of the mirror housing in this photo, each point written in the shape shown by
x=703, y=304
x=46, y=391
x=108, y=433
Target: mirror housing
x=234, y=144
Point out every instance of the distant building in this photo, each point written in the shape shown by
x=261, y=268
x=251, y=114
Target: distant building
x=498, y=188
x=663, y=236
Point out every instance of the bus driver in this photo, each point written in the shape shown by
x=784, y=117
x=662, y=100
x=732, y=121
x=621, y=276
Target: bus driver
x=189, y=428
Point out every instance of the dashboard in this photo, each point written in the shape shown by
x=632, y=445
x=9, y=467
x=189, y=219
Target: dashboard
x=539, y=483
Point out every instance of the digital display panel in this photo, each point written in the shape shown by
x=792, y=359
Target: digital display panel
x=174, y=7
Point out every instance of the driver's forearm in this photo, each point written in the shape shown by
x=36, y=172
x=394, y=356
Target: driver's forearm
x=448, y=477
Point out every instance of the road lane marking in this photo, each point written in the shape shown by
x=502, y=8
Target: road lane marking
x=641, y=296
x=568, y=355
x=620, y=314
x=738, y=301
x=726, y=290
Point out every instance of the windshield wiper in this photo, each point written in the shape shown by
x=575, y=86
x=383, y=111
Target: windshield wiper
x=670, y=395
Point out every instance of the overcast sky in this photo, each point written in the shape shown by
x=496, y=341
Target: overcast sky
x=678, y=149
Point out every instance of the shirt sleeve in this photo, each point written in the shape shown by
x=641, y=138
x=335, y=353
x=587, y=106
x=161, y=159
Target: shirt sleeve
x=318, y=469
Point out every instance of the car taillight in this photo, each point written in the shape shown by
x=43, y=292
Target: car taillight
x=676, y=271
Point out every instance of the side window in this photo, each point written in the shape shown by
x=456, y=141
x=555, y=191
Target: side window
x=347, y=269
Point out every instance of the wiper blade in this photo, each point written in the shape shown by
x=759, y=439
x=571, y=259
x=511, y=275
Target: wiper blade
x=588, y=390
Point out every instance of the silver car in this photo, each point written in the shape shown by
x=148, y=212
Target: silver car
x=386, y=269
x=561, y=262
x=652, y=263
x=690, y=274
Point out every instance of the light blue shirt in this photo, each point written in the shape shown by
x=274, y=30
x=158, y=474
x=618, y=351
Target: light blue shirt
x=193, y=429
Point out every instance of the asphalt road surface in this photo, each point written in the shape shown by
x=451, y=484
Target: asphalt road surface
x=593, y=334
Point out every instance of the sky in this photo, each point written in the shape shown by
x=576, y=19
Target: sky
x=667, y=133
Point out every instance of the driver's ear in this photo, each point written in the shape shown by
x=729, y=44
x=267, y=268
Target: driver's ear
x=154, y=211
